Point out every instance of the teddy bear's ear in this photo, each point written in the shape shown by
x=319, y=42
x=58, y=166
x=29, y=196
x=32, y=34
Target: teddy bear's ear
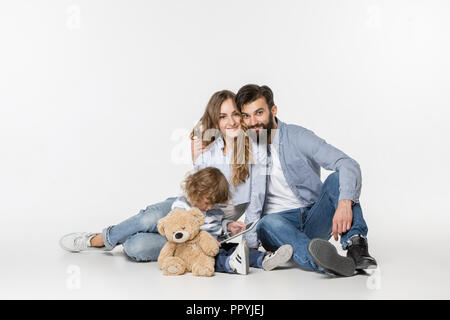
x=198, y=215
x=161, y=223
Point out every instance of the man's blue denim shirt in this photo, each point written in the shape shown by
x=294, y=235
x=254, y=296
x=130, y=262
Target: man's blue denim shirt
x=302, y=153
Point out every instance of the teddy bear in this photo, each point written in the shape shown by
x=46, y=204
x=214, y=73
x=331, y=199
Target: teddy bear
x=188, y=249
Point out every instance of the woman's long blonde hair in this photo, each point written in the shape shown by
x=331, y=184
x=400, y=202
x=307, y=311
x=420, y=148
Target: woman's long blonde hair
x=241, y=146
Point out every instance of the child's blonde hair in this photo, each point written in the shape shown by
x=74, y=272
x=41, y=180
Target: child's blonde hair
x=207, y=184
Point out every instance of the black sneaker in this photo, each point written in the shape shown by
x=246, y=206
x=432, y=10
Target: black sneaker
x=326, y=256
x=359, y=252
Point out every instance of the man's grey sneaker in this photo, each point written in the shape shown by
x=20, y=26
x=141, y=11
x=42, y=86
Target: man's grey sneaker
x=358, y=250
x=282, y=255
x=79, y=241
x=239, y=259
x=326, y=256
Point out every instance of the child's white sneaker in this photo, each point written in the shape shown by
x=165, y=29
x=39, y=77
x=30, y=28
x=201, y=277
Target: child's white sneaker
x=78, y=241
x=239, y=259
x=282, y=255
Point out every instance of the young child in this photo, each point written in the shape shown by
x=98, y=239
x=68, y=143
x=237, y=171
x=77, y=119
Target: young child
x=206, y=189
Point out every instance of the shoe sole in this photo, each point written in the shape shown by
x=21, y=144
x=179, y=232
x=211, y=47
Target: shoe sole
x=326, y=256
x=247, y=257
x=366, y=265
x=282, y=255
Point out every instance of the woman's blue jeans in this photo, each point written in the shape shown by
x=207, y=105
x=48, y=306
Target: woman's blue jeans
x=298, y=226
x=139, y=234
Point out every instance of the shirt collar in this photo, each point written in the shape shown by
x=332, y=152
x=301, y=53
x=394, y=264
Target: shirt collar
x=276, y=138
x=220, y=142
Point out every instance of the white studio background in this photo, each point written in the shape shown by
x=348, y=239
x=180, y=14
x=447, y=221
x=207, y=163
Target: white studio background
x=97, y=99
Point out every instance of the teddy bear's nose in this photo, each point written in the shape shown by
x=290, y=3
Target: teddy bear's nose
x=178, y=235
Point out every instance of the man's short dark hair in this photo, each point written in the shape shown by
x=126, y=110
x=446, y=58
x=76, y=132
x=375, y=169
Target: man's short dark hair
x=252, y=92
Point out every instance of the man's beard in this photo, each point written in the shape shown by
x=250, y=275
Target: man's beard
x=267, y=127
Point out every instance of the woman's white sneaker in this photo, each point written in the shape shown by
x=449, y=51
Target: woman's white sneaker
x=282, y=255
x=79, y=241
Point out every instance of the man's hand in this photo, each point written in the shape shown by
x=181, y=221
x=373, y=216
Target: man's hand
x=236, y=227
x=343, y=217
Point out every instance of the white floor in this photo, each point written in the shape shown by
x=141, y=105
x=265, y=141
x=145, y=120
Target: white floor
x=410, y=268
x=92, y=130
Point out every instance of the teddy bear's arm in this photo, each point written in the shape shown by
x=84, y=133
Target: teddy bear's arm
x=208, y=244
x=167, y=251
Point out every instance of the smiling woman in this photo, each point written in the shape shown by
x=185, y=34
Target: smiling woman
x=229, y=119
x=222, y=118
x=138, y=234
x=208, y=189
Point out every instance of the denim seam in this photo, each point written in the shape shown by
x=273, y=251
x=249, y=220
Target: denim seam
x=106, y=239
x=314, y=210
x=303, y=216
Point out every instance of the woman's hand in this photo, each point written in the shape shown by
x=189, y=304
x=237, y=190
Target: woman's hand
x=197, y=148
x=236, y=227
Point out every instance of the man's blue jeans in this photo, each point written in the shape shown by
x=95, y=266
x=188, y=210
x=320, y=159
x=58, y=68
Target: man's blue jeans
x=298, y=226
x=139, y=234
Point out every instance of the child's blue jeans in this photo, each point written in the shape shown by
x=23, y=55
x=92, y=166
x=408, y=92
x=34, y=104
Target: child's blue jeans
x=142, y=242
x=223, y=258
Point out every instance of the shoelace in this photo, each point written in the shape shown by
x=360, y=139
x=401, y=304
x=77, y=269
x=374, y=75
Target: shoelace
x=80, y=242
